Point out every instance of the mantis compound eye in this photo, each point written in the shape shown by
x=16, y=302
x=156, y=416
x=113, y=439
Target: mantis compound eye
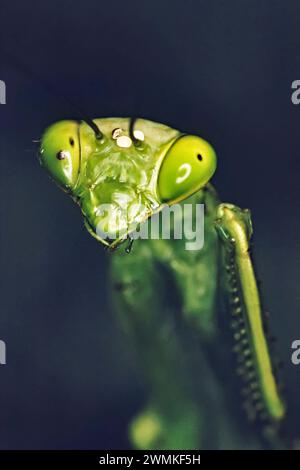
x=60, y=153
x=187, y=166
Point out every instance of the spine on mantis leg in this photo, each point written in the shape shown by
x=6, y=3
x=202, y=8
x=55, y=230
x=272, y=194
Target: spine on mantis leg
x=264, y=400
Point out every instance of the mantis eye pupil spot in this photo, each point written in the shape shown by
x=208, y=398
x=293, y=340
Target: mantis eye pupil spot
x=199, y=156
x=60, y=155
x=71, y=140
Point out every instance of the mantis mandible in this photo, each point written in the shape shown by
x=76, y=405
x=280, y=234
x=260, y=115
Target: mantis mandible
x=136, y=168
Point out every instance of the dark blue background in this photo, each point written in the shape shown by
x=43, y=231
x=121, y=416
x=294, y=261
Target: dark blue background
x=222, y=69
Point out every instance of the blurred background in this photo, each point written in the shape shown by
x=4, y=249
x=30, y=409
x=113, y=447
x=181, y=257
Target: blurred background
x=221, y=69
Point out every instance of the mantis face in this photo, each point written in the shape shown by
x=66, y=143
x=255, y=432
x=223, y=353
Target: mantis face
x=118, y=179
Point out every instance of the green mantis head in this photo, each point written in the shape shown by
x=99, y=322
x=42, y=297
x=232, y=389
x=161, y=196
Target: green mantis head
x=132, y=178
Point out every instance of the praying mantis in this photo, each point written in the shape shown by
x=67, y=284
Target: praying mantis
x=183, y=310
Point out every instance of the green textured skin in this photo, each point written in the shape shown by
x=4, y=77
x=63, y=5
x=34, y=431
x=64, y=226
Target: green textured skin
x=168, y=298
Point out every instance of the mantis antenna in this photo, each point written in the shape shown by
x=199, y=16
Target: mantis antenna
x=135, y=141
